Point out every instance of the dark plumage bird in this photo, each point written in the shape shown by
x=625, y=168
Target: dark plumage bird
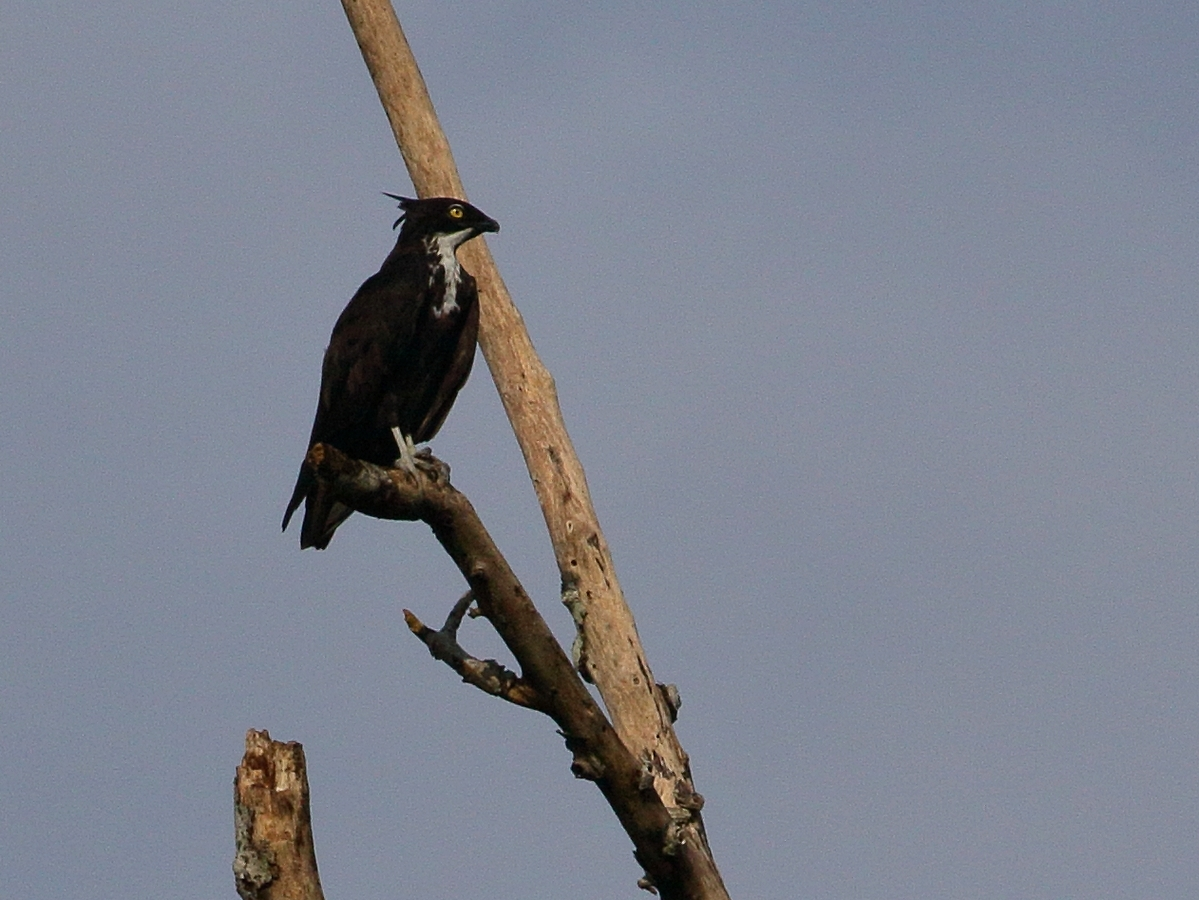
x=399, y=353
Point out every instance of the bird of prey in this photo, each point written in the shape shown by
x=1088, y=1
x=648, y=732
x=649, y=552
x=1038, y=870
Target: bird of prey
x=399, y=353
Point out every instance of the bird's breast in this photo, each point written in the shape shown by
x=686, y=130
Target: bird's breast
x=445, y=275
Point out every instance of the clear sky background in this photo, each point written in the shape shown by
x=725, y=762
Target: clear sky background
x=875, y=326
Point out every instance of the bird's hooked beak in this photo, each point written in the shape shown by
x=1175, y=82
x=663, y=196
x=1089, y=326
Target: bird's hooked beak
x=489, y=225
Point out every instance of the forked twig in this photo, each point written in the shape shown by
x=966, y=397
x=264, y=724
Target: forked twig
x=485, y=674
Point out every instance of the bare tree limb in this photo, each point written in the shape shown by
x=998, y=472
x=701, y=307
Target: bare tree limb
x=676, y=865
x=275, y=858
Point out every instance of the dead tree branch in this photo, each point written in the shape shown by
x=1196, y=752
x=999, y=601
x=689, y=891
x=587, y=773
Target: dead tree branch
x=275, y=858
x=678, y=867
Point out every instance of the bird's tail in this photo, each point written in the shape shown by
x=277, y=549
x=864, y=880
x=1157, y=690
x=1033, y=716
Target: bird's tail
x=322, y=514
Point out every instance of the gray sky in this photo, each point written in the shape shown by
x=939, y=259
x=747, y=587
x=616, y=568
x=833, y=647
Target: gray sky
x=875, y=327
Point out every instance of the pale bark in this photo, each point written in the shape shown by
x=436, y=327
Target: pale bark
x=275, y=858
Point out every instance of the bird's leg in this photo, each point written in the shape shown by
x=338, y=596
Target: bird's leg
x=407, y=451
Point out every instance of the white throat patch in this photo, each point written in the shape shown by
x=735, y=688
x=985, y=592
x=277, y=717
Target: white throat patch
x=444, y=245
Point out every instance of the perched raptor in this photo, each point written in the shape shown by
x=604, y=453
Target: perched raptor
x=399, y=353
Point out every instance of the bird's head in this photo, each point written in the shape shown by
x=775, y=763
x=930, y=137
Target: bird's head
x=442, y=217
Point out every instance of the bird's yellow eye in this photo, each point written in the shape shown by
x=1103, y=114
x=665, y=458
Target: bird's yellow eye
x=457, y=212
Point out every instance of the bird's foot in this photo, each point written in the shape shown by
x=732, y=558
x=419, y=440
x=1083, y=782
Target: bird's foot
x=411, y=459
x=406, y=460
x=405, y=464
x=431, y=465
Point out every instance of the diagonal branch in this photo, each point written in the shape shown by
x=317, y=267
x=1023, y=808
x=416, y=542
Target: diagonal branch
x=674, y=863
